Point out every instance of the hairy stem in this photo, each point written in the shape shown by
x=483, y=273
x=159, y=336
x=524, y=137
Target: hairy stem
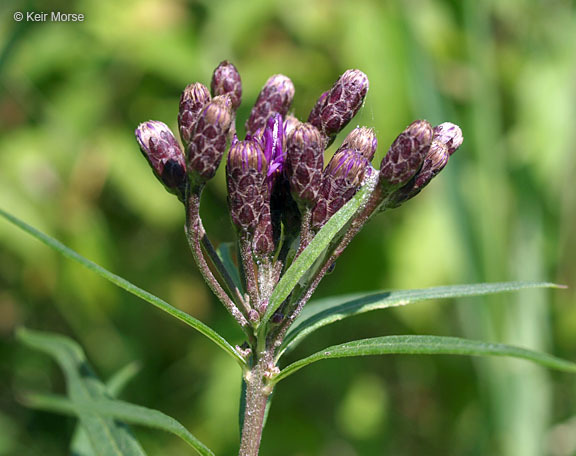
x=249, y=269
x=257, y=392
x=305, y=232
x=194, y=232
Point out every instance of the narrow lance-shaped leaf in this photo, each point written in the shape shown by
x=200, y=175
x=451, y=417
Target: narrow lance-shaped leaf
x=107, y=437
x=427, y=345
x=123, y=283
x=317, y=246
x=80, y=444
x=330, y=310
x=118, y=410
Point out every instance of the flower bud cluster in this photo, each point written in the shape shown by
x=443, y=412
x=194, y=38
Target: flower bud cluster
x=280, y=192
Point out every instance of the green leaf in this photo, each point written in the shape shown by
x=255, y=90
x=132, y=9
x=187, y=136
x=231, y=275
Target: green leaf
x=426, y=345
x=116, y=384
x=317, y=246
x=80, y=445
x=123, y=283
x=118, y=410
x=224, y=251
x=107, y=437
x=323, y=312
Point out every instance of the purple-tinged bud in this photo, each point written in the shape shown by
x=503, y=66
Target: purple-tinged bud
x=263, y=241
x=341, y=104
x=247, y=154
x=341, y=180
x=164, y=155
x=449, y=134
x=447, y=138
x=226, y=81
x=208, y=142
x=246, y=173
x=347, y=164
x=406, y=154
x=363, y=140
x=274, y=98
x=290, y=123
x=314, y=116
x=304, y=163
x=193, y=99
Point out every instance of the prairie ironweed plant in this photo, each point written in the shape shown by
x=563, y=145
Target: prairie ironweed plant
x=280, y=196
x=293, y=215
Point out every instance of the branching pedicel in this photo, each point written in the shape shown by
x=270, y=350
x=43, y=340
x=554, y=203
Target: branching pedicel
x=280, y=195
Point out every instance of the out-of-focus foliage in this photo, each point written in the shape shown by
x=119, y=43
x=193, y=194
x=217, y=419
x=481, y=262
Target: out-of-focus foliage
x=71, y=95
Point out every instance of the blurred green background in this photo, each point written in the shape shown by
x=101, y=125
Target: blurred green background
x=71, y=95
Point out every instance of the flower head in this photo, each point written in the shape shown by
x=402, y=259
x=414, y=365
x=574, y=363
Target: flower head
x=226, y=81
x=246, y=172
x=363, y=140
x=336, y=108
x=340, y=182
x=304, y=163
x=447, y=137
x=274, y=98
x=208, y=143
x=406, y=154
x=193, y=99
x=164, y=155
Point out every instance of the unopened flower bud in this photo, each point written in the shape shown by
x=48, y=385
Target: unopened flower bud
x=208, y=142
x=290, y=123
x=164, y=155
x=226, y=81
x=304, y=163
x=246, y=172
x=406, y=154
x=447, y=138
x=363, y=140
x=341, y=104
x=274, y=98
x=193, y=99
x=449, y=134
x=341, y=180
x=314, y=116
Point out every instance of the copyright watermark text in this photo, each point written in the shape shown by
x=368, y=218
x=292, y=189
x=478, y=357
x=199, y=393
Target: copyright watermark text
x=52, y=16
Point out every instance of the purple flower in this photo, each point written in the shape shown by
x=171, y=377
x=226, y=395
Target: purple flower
x=273, y=138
